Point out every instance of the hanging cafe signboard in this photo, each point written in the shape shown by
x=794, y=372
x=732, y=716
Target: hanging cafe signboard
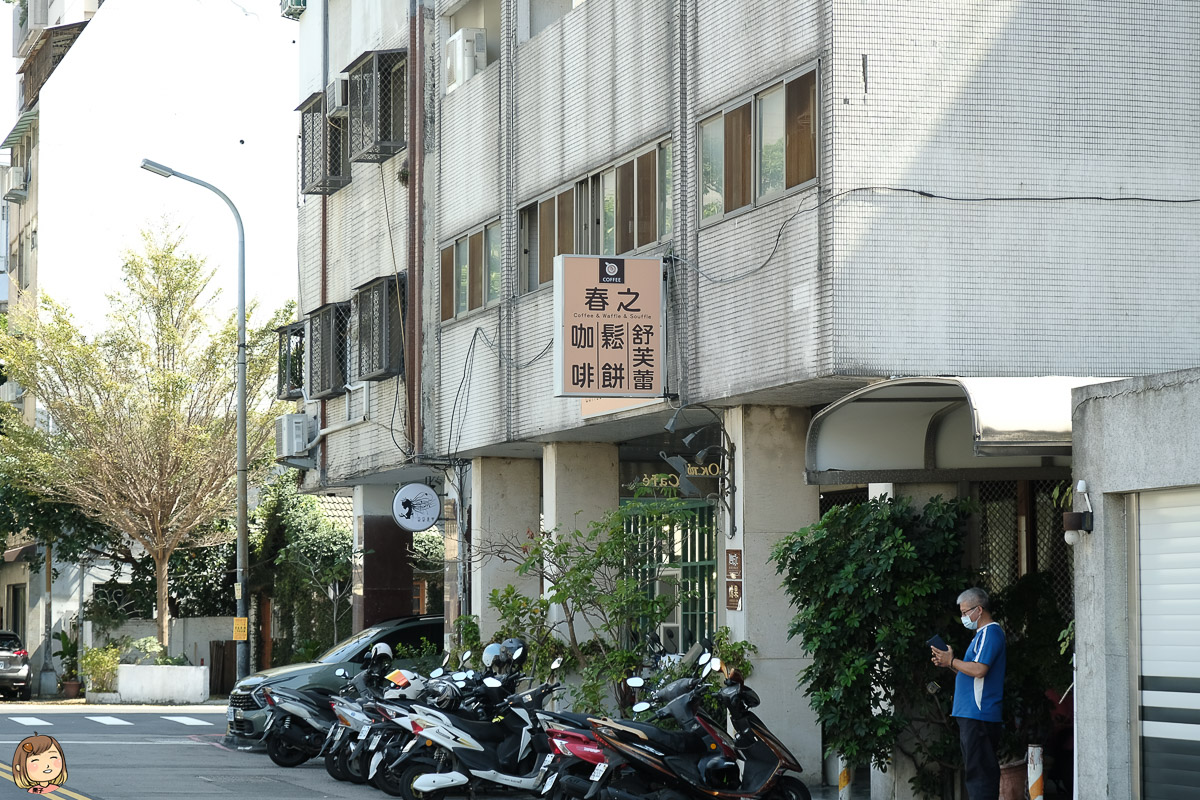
x=608, y=326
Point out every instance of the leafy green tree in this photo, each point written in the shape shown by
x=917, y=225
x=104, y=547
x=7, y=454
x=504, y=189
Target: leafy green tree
x=599, y=583
x=144, y=415
x=304, y=562
x=870, y=582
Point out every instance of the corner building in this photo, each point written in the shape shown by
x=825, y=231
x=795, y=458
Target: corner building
x=885, y=231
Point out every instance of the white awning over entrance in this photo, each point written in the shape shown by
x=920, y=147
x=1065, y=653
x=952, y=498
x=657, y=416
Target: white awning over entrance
x=932, y=429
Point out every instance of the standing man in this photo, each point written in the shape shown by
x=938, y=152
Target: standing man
x=978, y=694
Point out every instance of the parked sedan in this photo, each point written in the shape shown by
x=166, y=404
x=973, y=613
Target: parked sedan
x=14, y=667
x=247, y=712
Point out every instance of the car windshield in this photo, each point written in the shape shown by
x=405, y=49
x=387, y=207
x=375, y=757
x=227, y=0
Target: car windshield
x=347, y=649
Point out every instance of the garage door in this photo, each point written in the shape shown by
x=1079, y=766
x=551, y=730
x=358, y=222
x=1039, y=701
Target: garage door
x=1169, y=702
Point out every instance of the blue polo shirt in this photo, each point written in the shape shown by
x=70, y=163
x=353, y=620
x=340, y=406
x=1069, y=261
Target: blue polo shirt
x=982, y=698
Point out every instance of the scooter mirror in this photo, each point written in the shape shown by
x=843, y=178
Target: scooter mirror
x=492, y=683
x=437, y=673
x=640, y=707
x=715, y=663
x=704, y=659
x=517, y=655
x=341, y=673
x=461, y=684
x=556, y=663
x=635, y=682
x=471, y=674
x=465, y=657
x=445, y=659
x=459, y=676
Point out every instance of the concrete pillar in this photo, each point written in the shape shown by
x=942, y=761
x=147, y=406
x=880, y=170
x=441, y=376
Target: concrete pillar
x=580, y=483
x=383, y=575
x=771, y=500
x=505, y=507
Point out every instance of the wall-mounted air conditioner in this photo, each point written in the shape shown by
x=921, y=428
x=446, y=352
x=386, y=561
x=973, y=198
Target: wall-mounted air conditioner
x=291, y=436
x=466, y=54
x=337, y=95
x=292, y=9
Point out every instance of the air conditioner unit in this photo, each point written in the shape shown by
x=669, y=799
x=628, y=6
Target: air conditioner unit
x=291, y=436
x=466, y=54
x=337, y=97
x=292, y=9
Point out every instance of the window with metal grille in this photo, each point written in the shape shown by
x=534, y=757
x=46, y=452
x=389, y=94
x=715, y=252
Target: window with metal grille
x=290, y=383
x=329, y=336
x=378, y=89
x=1008, y=550
x=692, y=552
x=324, y=165
x=380, y=328
x=841, y=497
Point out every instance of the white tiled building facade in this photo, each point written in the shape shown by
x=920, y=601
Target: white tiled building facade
x=842, y=192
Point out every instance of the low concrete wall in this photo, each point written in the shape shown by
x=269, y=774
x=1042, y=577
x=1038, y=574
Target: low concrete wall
x=148, y=683
x=189, y=636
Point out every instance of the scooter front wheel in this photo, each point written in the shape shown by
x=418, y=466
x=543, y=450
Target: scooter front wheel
x=410, y=773
x=789, y=788
x=333, y=765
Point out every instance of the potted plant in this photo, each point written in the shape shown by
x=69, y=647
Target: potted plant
x=68, y=655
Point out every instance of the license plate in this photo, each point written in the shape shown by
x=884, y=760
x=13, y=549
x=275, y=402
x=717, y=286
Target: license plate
x=598, y=772
x=375, y=741
x=337, y=734
x=549, y=784
x=229, y=714
x=547, y=760
x=365, y=732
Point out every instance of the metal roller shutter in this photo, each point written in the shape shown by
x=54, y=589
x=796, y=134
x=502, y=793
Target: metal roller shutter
x=1169, y=605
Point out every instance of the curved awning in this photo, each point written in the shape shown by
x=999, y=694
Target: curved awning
x=919, y=429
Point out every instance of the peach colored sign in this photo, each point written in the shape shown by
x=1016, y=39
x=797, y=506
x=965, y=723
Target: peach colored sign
x=608, y=316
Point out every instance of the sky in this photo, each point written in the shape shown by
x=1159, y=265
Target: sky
x=206, y=87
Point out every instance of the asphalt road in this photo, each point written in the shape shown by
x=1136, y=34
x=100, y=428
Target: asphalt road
x=167, y=753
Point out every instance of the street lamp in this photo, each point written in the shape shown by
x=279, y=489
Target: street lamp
x=243, y=557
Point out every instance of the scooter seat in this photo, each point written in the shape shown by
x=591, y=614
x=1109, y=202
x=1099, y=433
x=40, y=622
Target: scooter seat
x=669, y=741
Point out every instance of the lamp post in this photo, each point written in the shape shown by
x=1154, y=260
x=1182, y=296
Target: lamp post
x=243, y=557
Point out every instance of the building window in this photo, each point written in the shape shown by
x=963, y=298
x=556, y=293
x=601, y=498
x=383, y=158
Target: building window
x=324, y=161
x=544, y=13
x=472, y=271
x=474, y=41
x=380, y=328
x=329, y=334
x=759, y=148
x=377, y=107
x=290, y=384
x=630, y=203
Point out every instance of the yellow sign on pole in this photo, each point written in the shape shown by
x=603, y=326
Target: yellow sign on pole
x=241, y=629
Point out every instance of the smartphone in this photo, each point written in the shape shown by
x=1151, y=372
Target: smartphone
x=937, y=642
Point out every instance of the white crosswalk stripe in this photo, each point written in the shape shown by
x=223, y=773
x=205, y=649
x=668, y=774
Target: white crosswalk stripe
x=187, y=720
x=30, y=721
x=110, y=720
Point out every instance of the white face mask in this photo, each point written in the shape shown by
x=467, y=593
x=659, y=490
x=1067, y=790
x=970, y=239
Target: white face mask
x=968, y=623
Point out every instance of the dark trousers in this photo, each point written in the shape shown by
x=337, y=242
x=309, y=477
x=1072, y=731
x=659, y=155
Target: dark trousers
x=981, y=768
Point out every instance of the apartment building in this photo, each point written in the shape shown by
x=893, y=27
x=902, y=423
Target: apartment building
x=893, y=241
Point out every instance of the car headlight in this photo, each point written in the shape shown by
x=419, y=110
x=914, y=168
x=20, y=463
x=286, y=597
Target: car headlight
x=258, y=695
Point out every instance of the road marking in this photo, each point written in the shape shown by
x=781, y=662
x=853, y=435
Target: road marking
x=30, y=721
x=110, y=720
x=188, y=721
x=6, y=772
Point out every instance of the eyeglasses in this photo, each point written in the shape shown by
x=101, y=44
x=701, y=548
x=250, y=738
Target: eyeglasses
x=968, y=611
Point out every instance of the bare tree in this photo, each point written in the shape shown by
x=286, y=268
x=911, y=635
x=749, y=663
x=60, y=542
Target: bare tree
x=143, y=416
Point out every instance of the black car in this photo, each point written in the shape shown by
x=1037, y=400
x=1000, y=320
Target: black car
x=247, y=712
x=15, y=678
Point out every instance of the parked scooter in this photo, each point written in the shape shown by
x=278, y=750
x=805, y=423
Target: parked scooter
x=700, y=760
x=298, y=725
x=510, y=751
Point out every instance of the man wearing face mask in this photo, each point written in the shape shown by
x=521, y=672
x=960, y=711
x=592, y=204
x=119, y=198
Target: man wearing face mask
x=978, y=694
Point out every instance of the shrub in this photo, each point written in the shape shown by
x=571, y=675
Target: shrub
x=99, y=667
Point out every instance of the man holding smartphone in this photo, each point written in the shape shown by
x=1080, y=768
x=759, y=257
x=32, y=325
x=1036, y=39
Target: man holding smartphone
x=978, y=694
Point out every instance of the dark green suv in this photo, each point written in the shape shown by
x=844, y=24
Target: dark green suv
x=247, y=712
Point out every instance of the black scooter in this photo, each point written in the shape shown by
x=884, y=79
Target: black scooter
x=298, y=725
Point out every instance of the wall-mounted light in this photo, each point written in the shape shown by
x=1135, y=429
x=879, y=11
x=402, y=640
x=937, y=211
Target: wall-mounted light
x=1078, y=523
